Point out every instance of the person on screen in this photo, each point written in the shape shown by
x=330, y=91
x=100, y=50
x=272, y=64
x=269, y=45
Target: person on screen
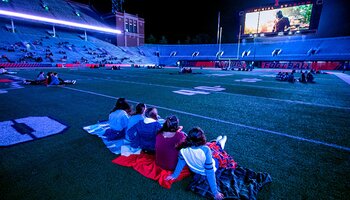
x=281, y=23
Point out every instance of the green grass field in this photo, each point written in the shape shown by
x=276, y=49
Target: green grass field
x=299, y=133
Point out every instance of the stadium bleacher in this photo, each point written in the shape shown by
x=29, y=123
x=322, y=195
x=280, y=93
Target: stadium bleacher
x=327, y=49
x=39, y=39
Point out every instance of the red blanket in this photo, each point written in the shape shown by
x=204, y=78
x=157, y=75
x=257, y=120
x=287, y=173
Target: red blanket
x=145, y=164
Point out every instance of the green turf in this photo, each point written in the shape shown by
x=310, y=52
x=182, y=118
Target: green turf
x=76, y=165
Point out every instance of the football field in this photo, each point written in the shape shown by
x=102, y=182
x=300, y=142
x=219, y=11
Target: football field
x=299, y=133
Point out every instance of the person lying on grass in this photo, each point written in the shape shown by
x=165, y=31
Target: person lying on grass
x=40, y=80
x=168, y=139
x=4, y=71
x=203, y=158
x=55, y=80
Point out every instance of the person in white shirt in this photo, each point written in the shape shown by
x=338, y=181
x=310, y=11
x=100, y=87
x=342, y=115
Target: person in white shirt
x=118, y=120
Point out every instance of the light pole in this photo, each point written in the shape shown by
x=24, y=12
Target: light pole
x=239, y=41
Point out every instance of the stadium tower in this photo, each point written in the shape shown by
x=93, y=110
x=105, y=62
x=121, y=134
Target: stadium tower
x=132, y=26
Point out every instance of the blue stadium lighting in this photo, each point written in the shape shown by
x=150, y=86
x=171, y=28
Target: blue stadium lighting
x=58, y=22
x=77, y=13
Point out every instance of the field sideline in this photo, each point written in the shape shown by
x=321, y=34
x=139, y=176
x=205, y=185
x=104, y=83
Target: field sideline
x=296, y=132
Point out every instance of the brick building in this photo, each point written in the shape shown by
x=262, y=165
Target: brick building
x=132, y=27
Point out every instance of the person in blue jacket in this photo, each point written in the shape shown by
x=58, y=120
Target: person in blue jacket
x=143, y=134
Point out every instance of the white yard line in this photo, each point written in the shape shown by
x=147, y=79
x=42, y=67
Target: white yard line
x=226, y=93
x=216, y=82
x=232, y=94
x=225, y=122
x=342, y=76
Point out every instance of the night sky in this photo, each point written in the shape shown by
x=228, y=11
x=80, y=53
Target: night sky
x=180, y=19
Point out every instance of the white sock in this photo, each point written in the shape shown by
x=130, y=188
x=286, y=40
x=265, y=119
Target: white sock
x=222, y=141
x=218, y=138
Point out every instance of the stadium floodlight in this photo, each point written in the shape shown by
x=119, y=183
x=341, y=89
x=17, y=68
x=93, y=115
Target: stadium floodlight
x=58, y=22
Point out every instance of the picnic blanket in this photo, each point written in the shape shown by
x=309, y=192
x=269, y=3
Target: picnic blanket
x=115, y=146
x=239, y=183
x=145, y=164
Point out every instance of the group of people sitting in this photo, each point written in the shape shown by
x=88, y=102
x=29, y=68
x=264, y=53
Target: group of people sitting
x=172, y=147
x=51, y=78
x=306, y=77
x=154, y=66
x=285, y=76
x=115, y=68
x=185, y=70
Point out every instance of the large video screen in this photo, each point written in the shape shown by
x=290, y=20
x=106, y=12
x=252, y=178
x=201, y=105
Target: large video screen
x=295, y=18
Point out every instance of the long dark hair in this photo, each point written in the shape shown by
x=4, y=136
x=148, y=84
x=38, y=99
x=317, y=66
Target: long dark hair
x=151, y=113
x=195, y=137
x=171, y=124
x=121, y=104
x=140, y=109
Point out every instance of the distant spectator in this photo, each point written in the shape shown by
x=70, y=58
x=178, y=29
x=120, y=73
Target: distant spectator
x=40, y=80
x=41, y=76
x=184, y=70
x=291, y=78
x=344, y=68
x=310, y=78
x=55, y=80
x=48, y=77
x=3, y=70
x=303, y=78
x=115, y=68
